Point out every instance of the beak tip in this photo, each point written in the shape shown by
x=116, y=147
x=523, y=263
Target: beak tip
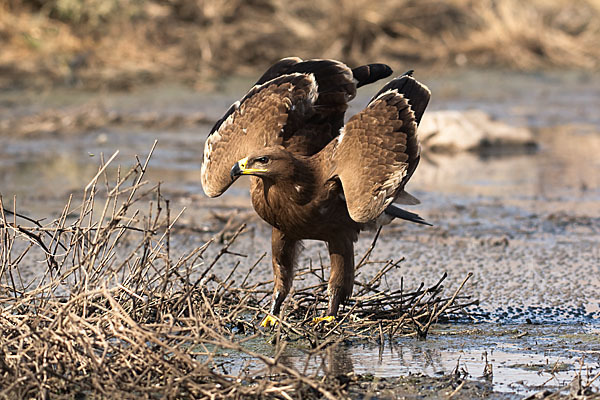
x=235, y=171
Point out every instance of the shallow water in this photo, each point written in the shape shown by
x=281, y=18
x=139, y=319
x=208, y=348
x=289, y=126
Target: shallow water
x=524, y=359
x=527, y=225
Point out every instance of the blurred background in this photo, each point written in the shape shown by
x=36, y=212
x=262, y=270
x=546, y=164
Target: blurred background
x=117, y=44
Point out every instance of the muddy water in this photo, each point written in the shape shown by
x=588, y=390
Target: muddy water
x=524, y=359
x=526, y=224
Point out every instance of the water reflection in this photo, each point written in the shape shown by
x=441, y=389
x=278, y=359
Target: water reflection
x=520, y=365
x=566, y=166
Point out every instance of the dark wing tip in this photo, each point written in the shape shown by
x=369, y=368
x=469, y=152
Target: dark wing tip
x=410, y=72
x=281, y=67
x=416, y=93
x=370, y=73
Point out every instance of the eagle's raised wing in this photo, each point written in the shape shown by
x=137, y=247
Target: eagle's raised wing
x=378, y=149
x=254, y=122
x=297, y=104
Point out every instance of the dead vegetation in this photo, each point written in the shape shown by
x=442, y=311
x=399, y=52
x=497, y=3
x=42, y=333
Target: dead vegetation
x=96, y=303
x=118, y=44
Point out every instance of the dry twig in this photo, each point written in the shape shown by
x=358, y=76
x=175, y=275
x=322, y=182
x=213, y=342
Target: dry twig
x=116, y=314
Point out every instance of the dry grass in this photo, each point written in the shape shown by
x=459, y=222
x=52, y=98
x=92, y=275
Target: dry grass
x=112, y=312
x=129, y=42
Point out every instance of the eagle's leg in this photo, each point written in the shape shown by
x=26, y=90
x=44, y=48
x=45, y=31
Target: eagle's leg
x=284, y=253
x=341, y=280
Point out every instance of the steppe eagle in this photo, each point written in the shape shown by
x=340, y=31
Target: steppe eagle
x=312, y=176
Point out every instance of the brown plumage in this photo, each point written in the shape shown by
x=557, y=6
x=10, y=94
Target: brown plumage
x=312, y=176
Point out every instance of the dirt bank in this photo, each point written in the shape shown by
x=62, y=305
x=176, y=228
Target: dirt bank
x=119, y=45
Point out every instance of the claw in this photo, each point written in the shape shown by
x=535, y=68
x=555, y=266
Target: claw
x=269, y=321
x=327, y=319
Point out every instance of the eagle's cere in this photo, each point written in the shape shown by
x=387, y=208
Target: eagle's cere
x=314, y=177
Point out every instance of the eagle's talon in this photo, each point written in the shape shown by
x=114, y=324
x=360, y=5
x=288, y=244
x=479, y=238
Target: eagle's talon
x=269, y=322
x=327, y=319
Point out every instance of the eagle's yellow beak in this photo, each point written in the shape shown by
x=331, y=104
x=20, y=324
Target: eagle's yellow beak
x=240, y=169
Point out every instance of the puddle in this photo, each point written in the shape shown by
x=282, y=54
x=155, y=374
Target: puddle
x=524, y=359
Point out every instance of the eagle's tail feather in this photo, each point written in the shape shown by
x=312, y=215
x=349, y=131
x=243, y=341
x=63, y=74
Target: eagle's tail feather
x=398, y=212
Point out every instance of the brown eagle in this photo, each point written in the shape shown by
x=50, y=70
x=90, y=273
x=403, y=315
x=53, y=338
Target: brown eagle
x=314, y=177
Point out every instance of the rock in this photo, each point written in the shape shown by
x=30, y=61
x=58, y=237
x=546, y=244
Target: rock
x=472, y=130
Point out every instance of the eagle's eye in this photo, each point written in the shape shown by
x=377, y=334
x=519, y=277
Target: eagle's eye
x=262, y=160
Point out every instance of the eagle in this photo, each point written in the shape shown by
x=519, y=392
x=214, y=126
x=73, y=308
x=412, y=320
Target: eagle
x=314, y=177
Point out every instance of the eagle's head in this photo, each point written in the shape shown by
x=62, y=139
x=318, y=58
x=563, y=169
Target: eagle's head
x=273, y=163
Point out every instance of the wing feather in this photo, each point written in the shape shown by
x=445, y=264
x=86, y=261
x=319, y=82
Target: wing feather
x=254, y=122
x=281, y=67
x=378, y=149
x=297, y=104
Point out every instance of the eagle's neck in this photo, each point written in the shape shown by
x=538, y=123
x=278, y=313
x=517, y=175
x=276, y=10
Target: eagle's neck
x=296, y=184
x=285, y=199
